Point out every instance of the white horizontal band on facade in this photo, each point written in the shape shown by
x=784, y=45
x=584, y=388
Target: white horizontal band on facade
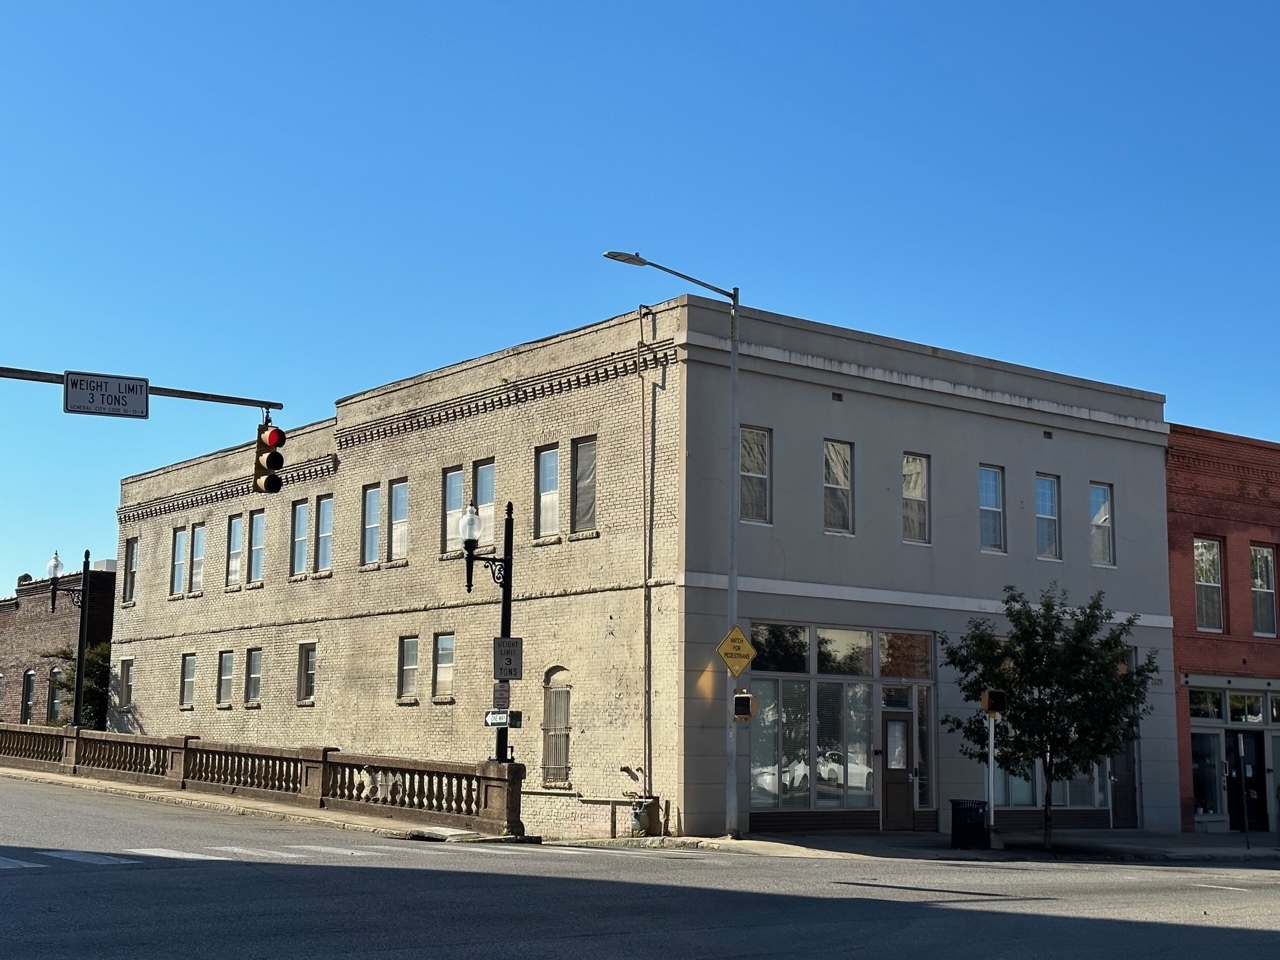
x=1249, y=684
x=896, y=598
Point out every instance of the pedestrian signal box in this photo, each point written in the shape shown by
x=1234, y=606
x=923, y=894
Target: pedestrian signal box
x=993, y=701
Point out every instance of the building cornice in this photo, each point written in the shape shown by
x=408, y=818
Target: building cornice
x=613, y=366
x=313, y=469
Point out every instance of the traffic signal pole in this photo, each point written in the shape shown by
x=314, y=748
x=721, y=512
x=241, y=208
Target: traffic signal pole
x=40, y=376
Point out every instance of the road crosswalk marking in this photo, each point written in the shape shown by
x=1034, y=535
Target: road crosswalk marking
x=255, y=852
x=339, y=851
x=173, y=854
x=83, y=856
x=7, y=864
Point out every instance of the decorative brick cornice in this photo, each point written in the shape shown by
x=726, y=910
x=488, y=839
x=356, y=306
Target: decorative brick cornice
x=1180, y=464
x=579, y=376
x=313, y=469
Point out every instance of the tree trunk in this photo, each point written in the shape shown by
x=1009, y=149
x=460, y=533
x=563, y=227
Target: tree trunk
x=1048, y=815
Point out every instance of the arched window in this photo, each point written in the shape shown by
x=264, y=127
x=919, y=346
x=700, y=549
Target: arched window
x=555, y=726
x=53, y=712
x=28, y=695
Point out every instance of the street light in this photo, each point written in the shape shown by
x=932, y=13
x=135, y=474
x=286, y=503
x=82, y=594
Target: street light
x=469, y=527
x=79, y=597
x=735, y=510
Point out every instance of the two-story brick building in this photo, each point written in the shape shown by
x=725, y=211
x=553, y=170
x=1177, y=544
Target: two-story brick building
x=888, y=492
x=1224, y=530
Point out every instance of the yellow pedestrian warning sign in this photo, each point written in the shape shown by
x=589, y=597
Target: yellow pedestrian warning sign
x=736, y=651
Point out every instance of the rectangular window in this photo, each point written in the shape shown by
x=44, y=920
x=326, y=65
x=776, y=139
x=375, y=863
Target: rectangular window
x=1048, y=546
x=1103, y=537
x=130, y=569
x=555, y=734
x=178, y=564
x=252, y=675
x=187, y=692
x=452, y=508
x=484, y=488
x=257, y=542
x=226, y=667
x=301, y=529
x=235, y=547
x=399, y=520
x=754, y=479
x=837, y=486
x=126, y=682
x=547, y=514
x=1208, y=564
x=1263, y=564
x=53, y=713
x=991, y=508
x=306, y=672
x=407, y=685
x=1206, y=704
x=324, y=533
x=915, y=498
x=197, y=558
x=584, y=484
x=370, y=523
x=442, y=679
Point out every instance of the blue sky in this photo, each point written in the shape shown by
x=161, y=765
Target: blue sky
x=298, y=201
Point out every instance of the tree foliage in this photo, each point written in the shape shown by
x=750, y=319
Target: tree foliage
x=97, y=680
x=1073, y=694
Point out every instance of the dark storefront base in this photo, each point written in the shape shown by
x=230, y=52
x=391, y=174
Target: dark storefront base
x=926, y=821
x=799, y=821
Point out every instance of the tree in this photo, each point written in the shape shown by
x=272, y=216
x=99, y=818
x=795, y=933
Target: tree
x=97, y=679
x=1073, y=693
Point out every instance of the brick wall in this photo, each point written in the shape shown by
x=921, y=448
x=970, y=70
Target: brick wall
x=1226, y=488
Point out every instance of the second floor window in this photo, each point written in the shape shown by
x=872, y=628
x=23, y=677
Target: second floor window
x=754, y=477
x=407, y=683
x=1208, y=567
x=452, y=508
x=1048, y=544
x=399, y=520
x=235, y=549
x=1263, y=564
x=197, y=558
x=837, y=487
x=991, y=508
x=252, y=675
x=257, y=544
x=130, y=569
x=301, y=527
x=324, y=533
x=306, y=672
x=442, y=681
x=915, y=498
x=548, y=512
x=1101, y=532
x=484, y=486
x=371, y=524
x=178, y=565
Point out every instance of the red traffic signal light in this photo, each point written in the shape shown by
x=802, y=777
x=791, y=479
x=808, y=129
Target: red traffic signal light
x=268, y=459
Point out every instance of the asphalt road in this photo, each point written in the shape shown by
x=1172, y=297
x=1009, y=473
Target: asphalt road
x=88, y=875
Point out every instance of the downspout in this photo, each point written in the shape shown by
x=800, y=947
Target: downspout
x=646, y=559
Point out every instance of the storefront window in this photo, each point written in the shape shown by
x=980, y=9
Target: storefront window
x=1245, y=707
x=1014, y=791
x=794, y=762
x=764, y=744
x=1206, y=704
x=906, y=655
x=829, y=769
x=858, y=767
x=844, y=651
x=780, y=648
x=1275, y=708
x=1206, y=771
x=895, y=698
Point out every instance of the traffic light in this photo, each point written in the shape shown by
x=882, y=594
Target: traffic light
x=993, y=701
x=268, y=459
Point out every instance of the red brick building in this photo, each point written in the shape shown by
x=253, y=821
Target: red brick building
x=1224, y=534
x=29, y=629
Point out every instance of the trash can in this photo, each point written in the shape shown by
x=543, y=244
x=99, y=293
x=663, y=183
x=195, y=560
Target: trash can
x=969, y=825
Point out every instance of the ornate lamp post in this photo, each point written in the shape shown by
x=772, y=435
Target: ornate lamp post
x=469, y=527
x=79, y=597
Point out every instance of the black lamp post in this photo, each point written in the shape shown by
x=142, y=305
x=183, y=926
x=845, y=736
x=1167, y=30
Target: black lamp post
x=500, y=568
x=80, y=598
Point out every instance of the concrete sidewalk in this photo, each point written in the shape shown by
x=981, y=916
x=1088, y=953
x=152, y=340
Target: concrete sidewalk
x=1100, y=845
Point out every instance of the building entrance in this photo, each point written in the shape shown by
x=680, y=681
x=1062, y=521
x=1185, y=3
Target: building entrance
x=1246, y=781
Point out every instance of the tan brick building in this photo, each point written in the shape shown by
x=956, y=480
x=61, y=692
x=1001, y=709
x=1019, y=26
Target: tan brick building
x=890, y=490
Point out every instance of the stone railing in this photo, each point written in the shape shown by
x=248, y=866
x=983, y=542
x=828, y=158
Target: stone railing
x=484, y=797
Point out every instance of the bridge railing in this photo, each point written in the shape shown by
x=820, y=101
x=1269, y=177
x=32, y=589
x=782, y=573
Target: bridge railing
x=484, y=796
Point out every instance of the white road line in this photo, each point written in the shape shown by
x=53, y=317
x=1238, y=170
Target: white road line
x=1214, y=886
x=80, y=856
x=172, y=854
x=255, y=852
x=340, y=851
x=430, y=847
x=7, y=864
